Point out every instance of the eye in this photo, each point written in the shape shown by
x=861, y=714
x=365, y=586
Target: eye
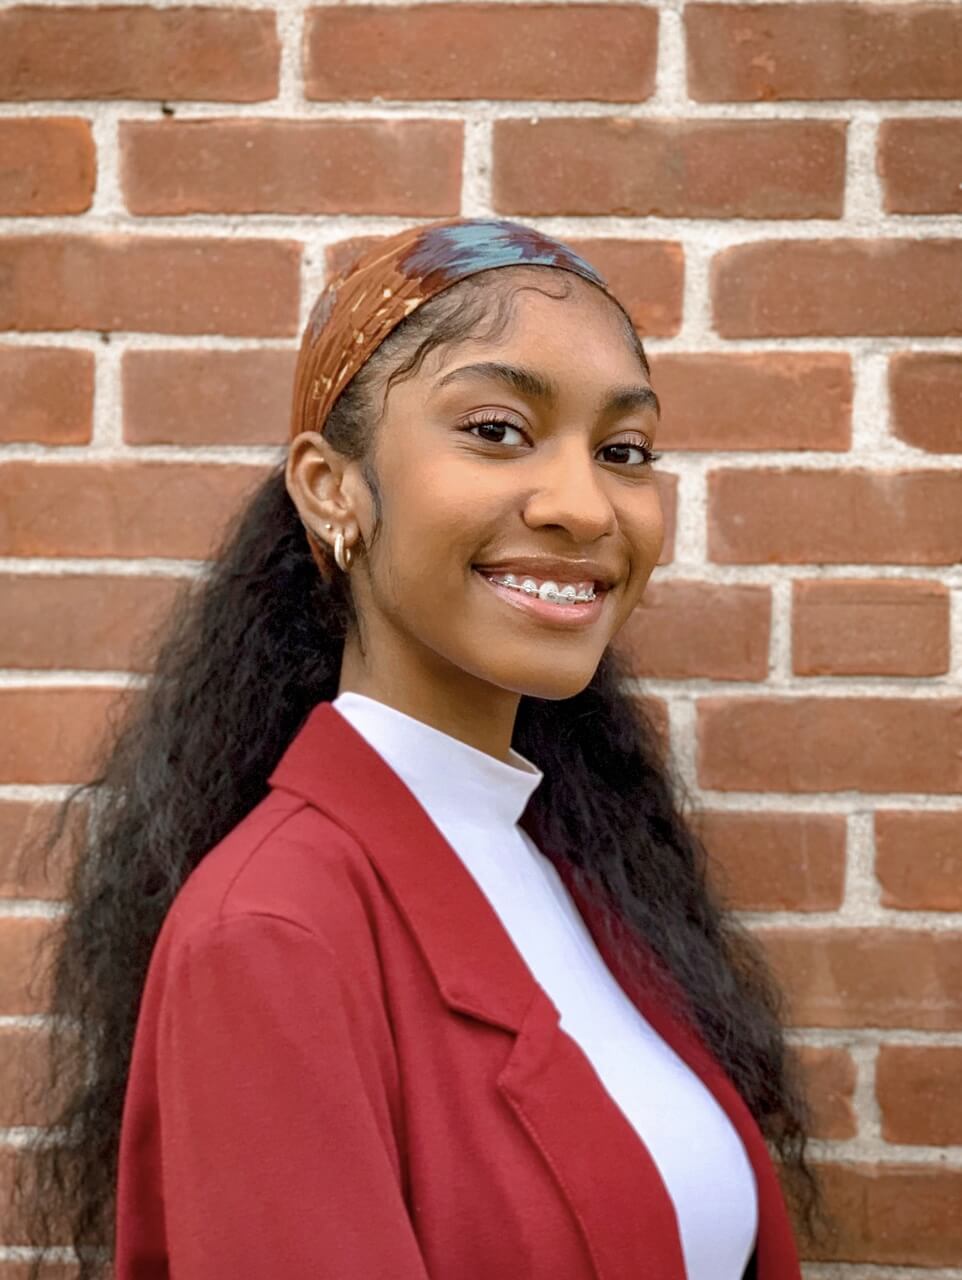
x=492, y=427
x=640, y=446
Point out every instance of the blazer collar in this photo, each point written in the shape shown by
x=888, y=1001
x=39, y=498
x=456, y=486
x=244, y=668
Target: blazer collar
x=476, y=967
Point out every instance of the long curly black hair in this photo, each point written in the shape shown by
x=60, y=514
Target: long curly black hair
x=257, y=640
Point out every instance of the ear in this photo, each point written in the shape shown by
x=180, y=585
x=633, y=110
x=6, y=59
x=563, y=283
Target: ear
x=314, y=474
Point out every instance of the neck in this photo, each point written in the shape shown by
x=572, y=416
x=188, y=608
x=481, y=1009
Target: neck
x=439, y=694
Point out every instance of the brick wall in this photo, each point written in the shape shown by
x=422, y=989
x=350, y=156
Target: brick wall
x=774, y=191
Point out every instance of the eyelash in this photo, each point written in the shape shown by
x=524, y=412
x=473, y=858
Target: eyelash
x=649, y=455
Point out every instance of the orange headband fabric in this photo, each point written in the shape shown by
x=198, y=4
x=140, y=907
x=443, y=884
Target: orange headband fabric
x=358, y=308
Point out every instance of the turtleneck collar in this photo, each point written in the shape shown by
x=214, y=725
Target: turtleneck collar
x=448, y=777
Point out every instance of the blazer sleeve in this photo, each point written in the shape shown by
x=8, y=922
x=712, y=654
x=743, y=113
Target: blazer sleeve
x=276, y=1157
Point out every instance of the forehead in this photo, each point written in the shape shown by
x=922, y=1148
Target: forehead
x=569, y=329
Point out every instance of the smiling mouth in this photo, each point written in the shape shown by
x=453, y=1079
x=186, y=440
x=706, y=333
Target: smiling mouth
x=566, y=593
x=568, y=604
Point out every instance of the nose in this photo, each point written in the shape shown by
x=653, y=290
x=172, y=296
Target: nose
x=569, y=493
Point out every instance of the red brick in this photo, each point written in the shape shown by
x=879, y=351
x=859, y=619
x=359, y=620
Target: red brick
x=688, y=629
x=656, y=710
x=777, y=52
x=830, y=1085
x=14, y=1233
x=875, y=745
x=897, y=1214
x=54, y=735
x=156, y=284
x=775, y=400
x=23, y=988
x=807, y=516
x=917, y=1087
x=672, y=169
x=136, y=52
x=170, y=509
x=49, y=166
x=340, y=256
x=27, y=870
x=10, y=1157
x=868, y=977
x=21, y=1067
x=918, y=859
x=28, y=1096
x=46, y=395
x=207, y=397
x=647, y=276
x=776, y=861
x=859, y=627
x=398, y=167
x=81, y=621
x=795, y=288
x=919, y=162
x=529, y=51
x=926, y=394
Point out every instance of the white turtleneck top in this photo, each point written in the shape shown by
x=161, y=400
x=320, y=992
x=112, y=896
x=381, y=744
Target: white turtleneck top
x=476, y=802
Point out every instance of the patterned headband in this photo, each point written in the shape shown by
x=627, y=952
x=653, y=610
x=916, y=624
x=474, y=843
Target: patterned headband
x=358, y=308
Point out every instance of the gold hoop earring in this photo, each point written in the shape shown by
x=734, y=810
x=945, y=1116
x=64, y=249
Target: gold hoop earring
x=343, y=555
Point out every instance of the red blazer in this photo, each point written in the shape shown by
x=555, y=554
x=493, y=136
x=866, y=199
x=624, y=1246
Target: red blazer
x=344, y=1070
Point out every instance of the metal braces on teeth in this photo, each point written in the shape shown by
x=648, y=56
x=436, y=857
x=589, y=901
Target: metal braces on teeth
x=548, y=590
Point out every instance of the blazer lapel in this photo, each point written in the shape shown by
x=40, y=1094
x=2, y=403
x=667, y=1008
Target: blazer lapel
x=600, y=1166
x=775, y=1256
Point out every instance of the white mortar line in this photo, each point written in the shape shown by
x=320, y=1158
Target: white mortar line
x=656, y=107
x=477, y=169
x=873, y=1037
x=863, y=190
x=291, y=23
x=709, y=574
x=955, y=631
x=862, y=897
x=868, y=916
x=780, y=645
x=670, y=97
x=854, y=345
x=716, y=233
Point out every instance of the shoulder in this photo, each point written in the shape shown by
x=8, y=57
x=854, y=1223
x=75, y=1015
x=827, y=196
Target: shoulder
x=279, y=924
x=285, y=861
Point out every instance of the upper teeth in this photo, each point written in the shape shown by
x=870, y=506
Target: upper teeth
x=570, y=592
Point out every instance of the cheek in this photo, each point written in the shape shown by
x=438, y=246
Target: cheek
x=436, y=523
x=448, y=499
x=644, y=530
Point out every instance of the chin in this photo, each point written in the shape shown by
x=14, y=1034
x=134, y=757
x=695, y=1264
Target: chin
x=553, y=684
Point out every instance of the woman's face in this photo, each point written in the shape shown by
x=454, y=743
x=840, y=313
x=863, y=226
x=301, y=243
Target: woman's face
x=497, y=456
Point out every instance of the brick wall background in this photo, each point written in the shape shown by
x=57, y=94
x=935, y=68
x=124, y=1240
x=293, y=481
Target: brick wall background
x=774, y=191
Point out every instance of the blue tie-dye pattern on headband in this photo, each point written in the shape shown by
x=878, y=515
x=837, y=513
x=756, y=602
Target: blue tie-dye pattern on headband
x=464, y=248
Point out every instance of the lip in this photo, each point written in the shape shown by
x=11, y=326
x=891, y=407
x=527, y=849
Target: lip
x=559, y=615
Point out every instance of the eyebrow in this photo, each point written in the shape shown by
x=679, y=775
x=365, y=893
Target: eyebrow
x=530, y=383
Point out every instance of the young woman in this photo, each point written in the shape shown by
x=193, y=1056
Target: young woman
x=389, y=947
